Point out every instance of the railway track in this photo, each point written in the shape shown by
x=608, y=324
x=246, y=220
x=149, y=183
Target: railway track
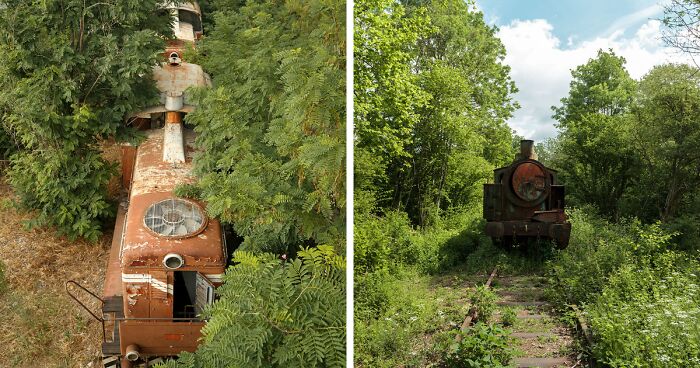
x=537, y=338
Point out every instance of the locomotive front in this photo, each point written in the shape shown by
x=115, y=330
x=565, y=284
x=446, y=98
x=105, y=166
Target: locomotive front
x=525, y=202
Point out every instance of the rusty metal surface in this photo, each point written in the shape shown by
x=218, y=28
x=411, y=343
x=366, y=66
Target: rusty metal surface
x=151, y=174
x=160, y=338
x=549, y=216
x=113, y=277
x=529, y=181
x=176, y=79
x=128, y=161
x=526, y=201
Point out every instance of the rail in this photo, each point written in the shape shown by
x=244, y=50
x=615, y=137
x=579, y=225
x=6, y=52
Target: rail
x=473, y=312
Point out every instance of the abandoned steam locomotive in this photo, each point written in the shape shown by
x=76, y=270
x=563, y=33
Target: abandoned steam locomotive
x=167, y=256
x=525, y=202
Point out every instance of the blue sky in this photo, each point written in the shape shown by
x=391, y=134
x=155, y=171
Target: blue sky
x=545, y=39
x=579, y=20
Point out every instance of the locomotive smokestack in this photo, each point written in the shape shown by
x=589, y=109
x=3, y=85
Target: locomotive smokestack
x=173, y=141
x=527, y=150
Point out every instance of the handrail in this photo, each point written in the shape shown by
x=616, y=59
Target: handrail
x=102, y=303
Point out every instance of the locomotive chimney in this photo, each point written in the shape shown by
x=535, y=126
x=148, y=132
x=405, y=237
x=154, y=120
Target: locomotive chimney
x=173, y=141
x=527, y=150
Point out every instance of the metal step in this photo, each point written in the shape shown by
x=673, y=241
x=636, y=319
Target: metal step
x=110, y=362
x=111, y=348
x=114, y=304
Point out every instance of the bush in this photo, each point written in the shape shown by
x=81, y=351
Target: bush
x=641, y=297
x=596, y=250
x=481, y=345
x=381, y=242
x=276, y=313
x=509, y=317
x=484, y=301
x=648, y=315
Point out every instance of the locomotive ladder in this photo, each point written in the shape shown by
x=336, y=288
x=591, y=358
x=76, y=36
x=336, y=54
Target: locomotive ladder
x=112, y=309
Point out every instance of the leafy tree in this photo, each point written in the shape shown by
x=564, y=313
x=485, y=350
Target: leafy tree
x=597, y=159
x=432, y=96
x=387, y=96
x=276, y=313
x=271, y=133
x=71, y=71
x=667, y=113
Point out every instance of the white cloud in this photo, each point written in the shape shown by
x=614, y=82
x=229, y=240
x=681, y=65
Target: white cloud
x=541, y=68
x=631, y=19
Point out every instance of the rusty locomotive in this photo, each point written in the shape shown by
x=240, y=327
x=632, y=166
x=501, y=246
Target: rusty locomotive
x=525, y=202
x=167, y=256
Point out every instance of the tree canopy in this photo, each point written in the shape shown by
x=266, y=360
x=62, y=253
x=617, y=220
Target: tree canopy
x=271, y=132
x=597, y=159
x=71, y=70
x=432, y=95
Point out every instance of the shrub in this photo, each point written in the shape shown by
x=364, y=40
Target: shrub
x=596, y=250
x=63, y=95
x=276, y=313
x=509, y=317
x=481, y=345
x=649, y=315
x=484, y=301
x=382, y=241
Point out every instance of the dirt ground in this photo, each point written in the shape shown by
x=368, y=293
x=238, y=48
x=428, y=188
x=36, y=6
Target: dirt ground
x=41, y=325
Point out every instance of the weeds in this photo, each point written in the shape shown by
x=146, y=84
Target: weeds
x=481, y=345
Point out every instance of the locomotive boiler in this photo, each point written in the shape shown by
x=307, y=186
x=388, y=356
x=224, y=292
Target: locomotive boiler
x=525, y=202
x=167, y=256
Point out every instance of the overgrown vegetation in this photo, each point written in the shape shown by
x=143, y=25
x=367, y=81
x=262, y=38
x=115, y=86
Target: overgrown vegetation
x=277, y=313
x=481, y=345
x=71, y=70
x=271, y=133
x=431, y=99
x=639, y=294
x=426, y=140
x=626, y=151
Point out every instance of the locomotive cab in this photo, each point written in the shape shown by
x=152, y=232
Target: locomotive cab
x=526, y=202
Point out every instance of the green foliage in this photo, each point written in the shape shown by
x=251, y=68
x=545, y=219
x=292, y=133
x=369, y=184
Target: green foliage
x=431, y=98
x=276, y=313
x=509, y=316
x=640, y=297
x=71, y=71
x=483, y=300
x=596, y=159
x=648, y=315
x=482, y=345
x=389, y=241
x=271, y=133
x=396, y=312
x=597, y=249
x=667, y=116
x=7, y=144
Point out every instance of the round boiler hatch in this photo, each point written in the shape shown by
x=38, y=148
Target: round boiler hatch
x=175, y=218
x=529, y=181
